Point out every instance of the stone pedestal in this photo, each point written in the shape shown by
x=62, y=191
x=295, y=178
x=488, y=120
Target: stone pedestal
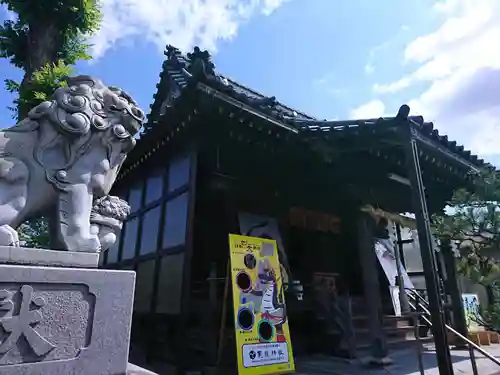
x=59, y=318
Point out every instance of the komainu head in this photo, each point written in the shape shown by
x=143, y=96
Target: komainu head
x=87, y=105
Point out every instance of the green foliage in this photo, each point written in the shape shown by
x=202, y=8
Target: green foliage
x=491, y=314
x=74, y=49
x=45, y=39
x=473, y=224
x=69, y=20
x=35, y=233
x=77, y=16
x=14, y=42
x=43, y=83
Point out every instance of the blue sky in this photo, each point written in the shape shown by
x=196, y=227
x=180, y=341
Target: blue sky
x=329, y=58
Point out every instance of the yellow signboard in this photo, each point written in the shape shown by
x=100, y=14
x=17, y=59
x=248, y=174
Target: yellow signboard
x=263, y=343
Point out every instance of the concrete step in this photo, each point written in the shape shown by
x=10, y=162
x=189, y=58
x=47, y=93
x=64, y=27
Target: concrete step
x=390, y=321
x=402, y=329
x=399, y=331
x=358, y=306
x=395, y=338
x=398, y=343
x=408, y=332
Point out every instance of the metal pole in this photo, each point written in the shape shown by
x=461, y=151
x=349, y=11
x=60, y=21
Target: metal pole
x=473, y=360
x=444, y=361
x=416, y=323
x=463, y=338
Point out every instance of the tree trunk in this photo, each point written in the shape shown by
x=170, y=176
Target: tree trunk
x=490, y=295
x=44, y=40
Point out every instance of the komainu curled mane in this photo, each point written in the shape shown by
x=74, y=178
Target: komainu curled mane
x=62, y=157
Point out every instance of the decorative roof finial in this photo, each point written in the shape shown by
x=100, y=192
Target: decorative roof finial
x=170, y=50
x=404, y=112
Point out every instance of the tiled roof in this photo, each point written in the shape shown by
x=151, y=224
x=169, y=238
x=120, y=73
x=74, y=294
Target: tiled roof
x=176, y=66
x=287, y=112
x=189, y=69
x=185, y=70
x=426, y=131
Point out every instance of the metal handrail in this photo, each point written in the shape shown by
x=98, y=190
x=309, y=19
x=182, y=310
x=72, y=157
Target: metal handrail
x=471, y=345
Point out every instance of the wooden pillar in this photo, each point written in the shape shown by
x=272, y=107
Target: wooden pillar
x=183, y=321
x=369, y=270
x=210, y=323
x=451, y=286
x=222, y=202
x=427, y=252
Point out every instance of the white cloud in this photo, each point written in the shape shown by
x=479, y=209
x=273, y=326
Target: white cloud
x=369, y=68
x=182, y=23
x=461, y=66
x=372, y=109
x=396, y=86
x=396, y=38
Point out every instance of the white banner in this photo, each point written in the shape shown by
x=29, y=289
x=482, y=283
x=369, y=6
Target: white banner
x=386, y=254
x=387, y=259
x=396, y=303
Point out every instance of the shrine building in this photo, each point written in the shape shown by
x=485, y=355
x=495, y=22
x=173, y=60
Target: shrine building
x=216, y=158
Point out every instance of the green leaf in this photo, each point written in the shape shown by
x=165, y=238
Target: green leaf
x=76, y=16
x=35, y=233
x=11, y=85
x=40, y=95
x=14, y=42
x=43, y=83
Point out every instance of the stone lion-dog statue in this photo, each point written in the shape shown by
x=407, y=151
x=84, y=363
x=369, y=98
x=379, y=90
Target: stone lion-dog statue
x=61, y=162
